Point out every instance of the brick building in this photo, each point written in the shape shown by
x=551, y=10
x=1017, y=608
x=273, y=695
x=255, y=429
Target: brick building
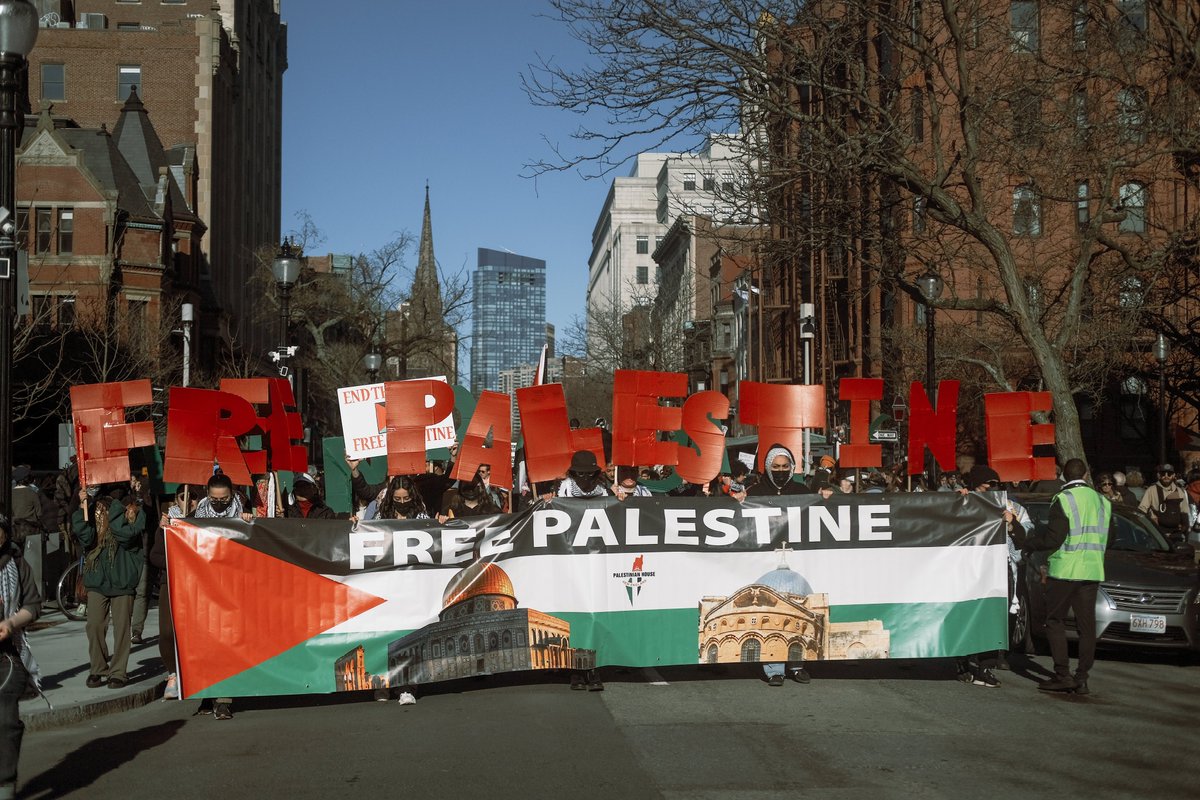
x=213, y=73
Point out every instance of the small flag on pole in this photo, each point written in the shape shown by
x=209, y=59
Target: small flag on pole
x=540, y=377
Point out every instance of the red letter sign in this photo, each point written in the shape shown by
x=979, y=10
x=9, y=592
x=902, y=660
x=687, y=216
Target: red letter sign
x=280, y=427
x=549, y=440
x=781, y=412
x=702, y=467
x=860, y=452
x=102, y=437
x=412, y=406
x=1012, y=435
x=493, y=412
x=202, y=427
x=937, y=429
x=638, y=417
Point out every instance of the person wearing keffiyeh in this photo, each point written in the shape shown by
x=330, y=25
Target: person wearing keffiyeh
x=18, y=671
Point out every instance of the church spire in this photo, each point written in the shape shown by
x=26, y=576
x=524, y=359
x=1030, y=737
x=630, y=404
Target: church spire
x=426, y=296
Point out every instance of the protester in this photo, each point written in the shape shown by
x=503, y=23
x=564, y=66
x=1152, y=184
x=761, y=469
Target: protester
x=584, y=477
x=158, y=558
x=823, y=487
x=1079, y=526
x=1127, y=496
x=220, y=501
x=627, y=486
x=1108, y=487
x=111, y=536
x=26, y=510
x=468, y=499
x=22, y=605
x=1137, y=484
x=139, y=494
x=781, y=468
x=1166, y=503
x=305, y=500
x=846, y=484
x=400, y=500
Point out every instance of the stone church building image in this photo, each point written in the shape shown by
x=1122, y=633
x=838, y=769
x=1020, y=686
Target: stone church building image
x=479, y=631
x=780, y=618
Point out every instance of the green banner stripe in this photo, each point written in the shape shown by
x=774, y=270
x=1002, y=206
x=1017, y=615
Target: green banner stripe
x=641, y=638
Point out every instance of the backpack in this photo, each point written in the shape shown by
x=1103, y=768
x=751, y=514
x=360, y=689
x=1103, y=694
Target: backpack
x=1169, y=512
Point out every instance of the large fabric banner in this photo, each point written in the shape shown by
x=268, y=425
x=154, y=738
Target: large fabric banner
x=299, y=606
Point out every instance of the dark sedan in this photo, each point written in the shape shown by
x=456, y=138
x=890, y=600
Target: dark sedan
x=1150, y=596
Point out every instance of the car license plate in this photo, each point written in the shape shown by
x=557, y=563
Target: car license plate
x=1147, y=623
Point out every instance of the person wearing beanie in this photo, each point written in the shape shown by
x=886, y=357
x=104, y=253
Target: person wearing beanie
x=777, y=481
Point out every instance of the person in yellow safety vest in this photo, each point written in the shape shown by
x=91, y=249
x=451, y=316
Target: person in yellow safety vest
x=1080, y=523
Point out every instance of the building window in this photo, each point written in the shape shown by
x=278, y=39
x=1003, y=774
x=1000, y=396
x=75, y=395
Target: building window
x=689, y=181
x=54, y=82
x=918, y=115
x=66, y=311
x=1026, y=109
x=41, y=310
x=129, y=26
x=658, y=273
x=1131, y=292
x=643, y=276
x=43, y=231
x=712, y=654
x=493, y=641
x=1023, y=25
x=66, y=230
x=1027, y=211
x=1079, y=113
x=643, y=245
x=1131, y=114
x=1079, y=24
x=464, y=645
x=128, y=78
x=918, y=215
x=136, y=318
x=1133, y=203
x=1083, y=210
x=1132, y=23
x=726, y=182
x=709, y=182
x=751, y=650
x=795, y=652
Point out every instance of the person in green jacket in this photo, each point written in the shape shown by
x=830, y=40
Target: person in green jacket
x=111, y=538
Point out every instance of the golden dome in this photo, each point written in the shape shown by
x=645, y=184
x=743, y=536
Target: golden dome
x=478, y=578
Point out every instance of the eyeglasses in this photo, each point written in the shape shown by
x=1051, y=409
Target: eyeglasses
x=1106, y=483
x=1168, y=472
x=485, y=470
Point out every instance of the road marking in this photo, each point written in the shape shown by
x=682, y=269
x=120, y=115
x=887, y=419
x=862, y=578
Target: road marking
x=653, y=678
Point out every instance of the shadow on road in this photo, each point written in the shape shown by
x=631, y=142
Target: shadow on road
x=83, y=766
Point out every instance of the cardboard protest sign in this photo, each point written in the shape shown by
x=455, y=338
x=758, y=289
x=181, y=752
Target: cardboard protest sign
x=493, y=413
x=1012, y=435
x=419, y=415
x=203, y=426
x=364, y=421
x=103, y=438
x=781, y=412
x=937, y=429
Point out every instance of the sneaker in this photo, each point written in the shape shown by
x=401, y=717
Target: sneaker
x=965, y=676
x=985, y=677
x=577, y=682
x=595, y=685
x=171, y=691
x=775, y=680
x=407, y=699
x=222, y=711
x=117, y=683
x=1059, y=683
x=95, y=681
x=800, y=675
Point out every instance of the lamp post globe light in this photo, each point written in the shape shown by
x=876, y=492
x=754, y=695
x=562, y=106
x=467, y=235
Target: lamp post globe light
x=286, y=269
x=1162, y=352
x=930, y=285
x=371, y=363
x=18, y=32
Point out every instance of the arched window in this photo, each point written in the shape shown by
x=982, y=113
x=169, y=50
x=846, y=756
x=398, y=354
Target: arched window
x=1133, y=203
x=493, y=641
x=712, y=654
x=1027, y=211
x=751, y=650
x=795, y=652
x=507, y=639
x=464, y=645
x=478, y=643
x=450, y=646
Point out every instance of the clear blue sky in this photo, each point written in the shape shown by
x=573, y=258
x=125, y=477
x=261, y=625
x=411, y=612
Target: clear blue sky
x=382, y=95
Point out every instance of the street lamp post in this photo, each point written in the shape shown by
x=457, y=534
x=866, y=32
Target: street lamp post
x=286, y=269
x=931, y=284
x=1162, y=352
x=18, y=32
x=808, y=332
x=371, y=363
x=186, y=315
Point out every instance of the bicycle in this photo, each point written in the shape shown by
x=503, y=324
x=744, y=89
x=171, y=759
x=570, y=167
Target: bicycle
x=70, y=593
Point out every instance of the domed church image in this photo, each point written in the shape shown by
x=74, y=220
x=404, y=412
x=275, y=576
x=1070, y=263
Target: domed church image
x=480, y=630
x=780, y=618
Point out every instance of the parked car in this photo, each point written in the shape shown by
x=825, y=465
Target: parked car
x=1150, y=596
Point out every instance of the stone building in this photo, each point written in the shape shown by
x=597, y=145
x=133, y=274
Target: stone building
x=213, y=73
x=480, y=631
x=350, y=673
x=780, y=618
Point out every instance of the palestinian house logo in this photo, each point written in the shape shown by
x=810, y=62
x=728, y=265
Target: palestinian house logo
x=635, y=579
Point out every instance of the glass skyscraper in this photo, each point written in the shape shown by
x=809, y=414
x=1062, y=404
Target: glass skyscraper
x=508, y=315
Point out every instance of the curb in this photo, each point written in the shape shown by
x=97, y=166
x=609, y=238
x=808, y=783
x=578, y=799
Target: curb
x=73, y=713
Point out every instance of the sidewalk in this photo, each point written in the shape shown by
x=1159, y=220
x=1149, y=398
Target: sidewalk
x=60, y=647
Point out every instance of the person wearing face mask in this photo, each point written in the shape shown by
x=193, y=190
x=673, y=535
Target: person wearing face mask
x=468, y=499
x=400, y=500
x=584, y=477
x=781, y=467
x=305, y=500
x=220, y=501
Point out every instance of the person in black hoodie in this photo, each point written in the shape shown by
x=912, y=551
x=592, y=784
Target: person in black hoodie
x=22, y=604
x=781, y=468
x=305, y=500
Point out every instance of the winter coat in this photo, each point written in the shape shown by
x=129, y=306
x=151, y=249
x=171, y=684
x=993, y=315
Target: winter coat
x=115, y=572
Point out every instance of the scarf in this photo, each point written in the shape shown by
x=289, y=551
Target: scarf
x=10, y=589
x=205, y=510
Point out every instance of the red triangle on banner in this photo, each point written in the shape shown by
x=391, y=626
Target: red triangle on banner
x=381, y=417
x=235, y=607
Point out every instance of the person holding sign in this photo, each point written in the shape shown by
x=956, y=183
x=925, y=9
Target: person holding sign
x=111, y=536
x=22, y=605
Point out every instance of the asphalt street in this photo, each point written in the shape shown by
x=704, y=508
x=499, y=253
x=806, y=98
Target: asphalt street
x=867, y=729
